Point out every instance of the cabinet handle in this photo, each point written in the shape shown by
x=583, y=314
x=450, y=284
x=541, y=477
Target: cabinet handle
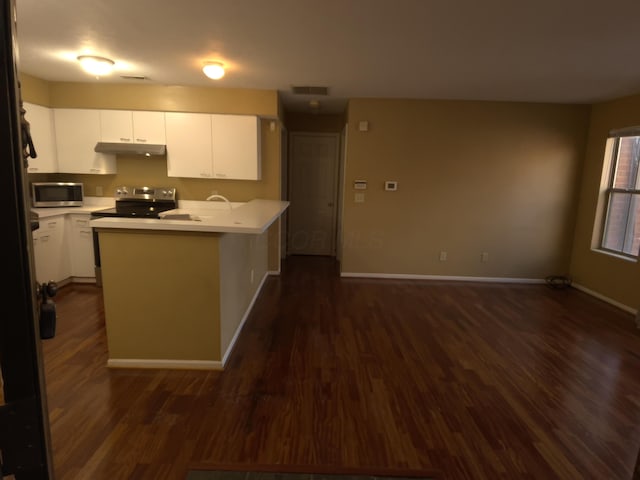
x=206, y=175
x=122, y=139
x=95, y=170
x=44, y=238
x=82, y=222
x=141, y=140
x=52, y=224
x=221, y=175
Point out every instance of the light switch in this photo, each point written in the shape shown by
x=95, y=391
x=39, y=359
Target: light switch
x=360, y=184
x=359, y=198
x=391, y=186
x=363, y=126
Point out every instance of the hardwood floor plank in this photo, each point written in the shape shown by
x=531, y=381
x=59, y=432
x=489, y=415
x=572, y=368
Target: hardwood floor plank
x=464, y=380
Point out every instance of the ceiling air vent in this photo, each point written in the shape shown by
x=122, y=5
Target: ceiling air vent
x=309, y=90
x=133, y=77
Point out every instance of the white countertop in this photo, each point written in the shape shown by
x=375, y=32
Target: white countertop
x=254, y=216
x=91, y=204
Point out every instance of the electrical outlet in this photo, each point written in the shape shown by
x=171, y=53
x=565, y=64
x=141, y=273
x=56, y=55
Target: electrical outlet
x=443, y=256
x=484, y=257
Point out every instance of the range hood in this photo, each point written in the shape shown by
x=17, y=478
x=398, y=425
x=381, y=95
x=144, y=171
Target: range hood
x=131, y=148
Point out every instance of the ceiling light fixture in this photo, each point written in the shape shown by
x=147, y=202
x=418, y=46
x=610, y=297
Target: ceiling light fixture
x=213, y=70
x=97, y=66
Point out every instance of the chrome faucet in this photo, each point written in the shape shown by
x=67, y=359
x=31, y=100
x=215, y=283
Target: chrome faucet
x=220, y=197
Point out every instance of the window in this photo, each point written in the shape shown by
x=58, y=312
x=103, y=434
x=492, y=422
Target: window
x=621, y=230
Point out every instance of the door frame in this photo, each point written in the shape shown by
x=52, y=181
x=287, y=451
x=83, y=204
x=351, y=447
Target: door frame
x=25, y=447
x=336, y=176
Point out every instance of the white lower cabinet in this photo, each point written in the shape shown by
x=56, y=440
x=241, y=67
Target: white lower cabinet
x=50, y=255
x=63, y=248
x=81, y=246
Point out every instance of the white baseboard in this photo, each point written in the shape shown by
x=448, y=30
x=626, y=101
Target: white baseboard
x=604, y=298
x=273, y=272
x=409, y=276
x=172, y=364
x=244, y=319
x=83, y=280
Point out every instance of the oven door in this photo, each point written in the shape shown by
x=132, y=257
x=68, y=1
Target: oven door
x=96, y=258
x=96, y=250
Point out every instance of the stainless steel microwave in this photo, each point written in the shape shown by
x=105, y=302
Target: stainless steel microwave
x=57, y=194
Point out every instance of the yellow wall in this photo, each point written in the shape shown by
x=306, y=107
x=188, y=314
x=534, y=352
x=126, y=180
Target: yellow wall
x=134, y=170
x=473, y=177
x=177, y=315
x=613, y=277
x=35, y=90
x=200, y=285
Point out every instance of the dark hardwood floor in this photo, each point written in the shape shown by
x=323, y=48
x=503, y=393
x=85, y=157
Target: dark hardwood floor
x=464, y=380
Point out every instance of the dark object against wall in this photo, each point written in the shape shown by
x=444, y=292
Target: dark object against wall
x=558, y=281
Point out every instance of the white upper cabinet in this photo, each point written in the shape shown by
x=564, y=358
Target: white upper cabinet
x=77, y=132
x=236, y=146
x=189, y=145
x=149, y=127
x=43, y=136
x=116, y=126
x=125, y=126
x=201, y=145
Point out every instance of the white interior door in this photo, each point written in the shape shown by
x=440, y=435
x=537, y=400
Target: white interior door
x=313, y=187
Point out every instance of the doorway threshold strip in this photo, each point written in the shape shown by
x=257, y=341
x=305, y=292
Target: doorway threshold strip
x=319, y=472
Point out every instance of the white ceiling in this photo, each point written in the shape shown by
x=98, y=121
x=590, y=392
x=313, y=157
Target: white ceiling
x=576, y=51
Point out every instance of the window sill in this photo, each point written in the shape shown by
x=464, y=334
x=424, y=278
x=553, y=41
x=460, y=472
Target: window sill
x=615, y=255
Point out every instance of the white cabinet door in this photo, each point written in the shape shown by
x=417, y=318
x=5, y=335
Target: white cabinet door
x=77, y=132
x=116, y=126
x=189, y=145
x=126, y=126
x=50, y=253
x=43, y=136
x=81, y=246
x=236, y=146
x=149, y=127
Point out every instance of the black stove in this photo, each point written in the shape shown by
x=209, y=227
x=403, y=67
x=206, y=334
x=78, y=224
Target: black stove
x=140, y=202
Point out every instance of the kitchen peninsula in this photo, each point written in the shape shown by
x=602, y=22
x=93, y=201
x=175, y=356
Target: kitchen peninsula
x=178, y=289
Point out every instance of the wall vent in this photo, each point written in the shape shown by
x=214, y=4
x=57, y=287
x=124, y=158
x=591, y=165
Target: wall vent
x=310, y=90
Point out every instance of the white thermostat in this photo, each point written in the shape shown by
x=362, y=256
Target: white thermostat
x=391, y=185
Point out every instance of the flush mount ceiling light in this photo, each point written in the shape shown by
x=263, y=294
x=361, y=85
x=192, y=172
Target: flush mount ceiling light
x=97, y=66
x=213, y=70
